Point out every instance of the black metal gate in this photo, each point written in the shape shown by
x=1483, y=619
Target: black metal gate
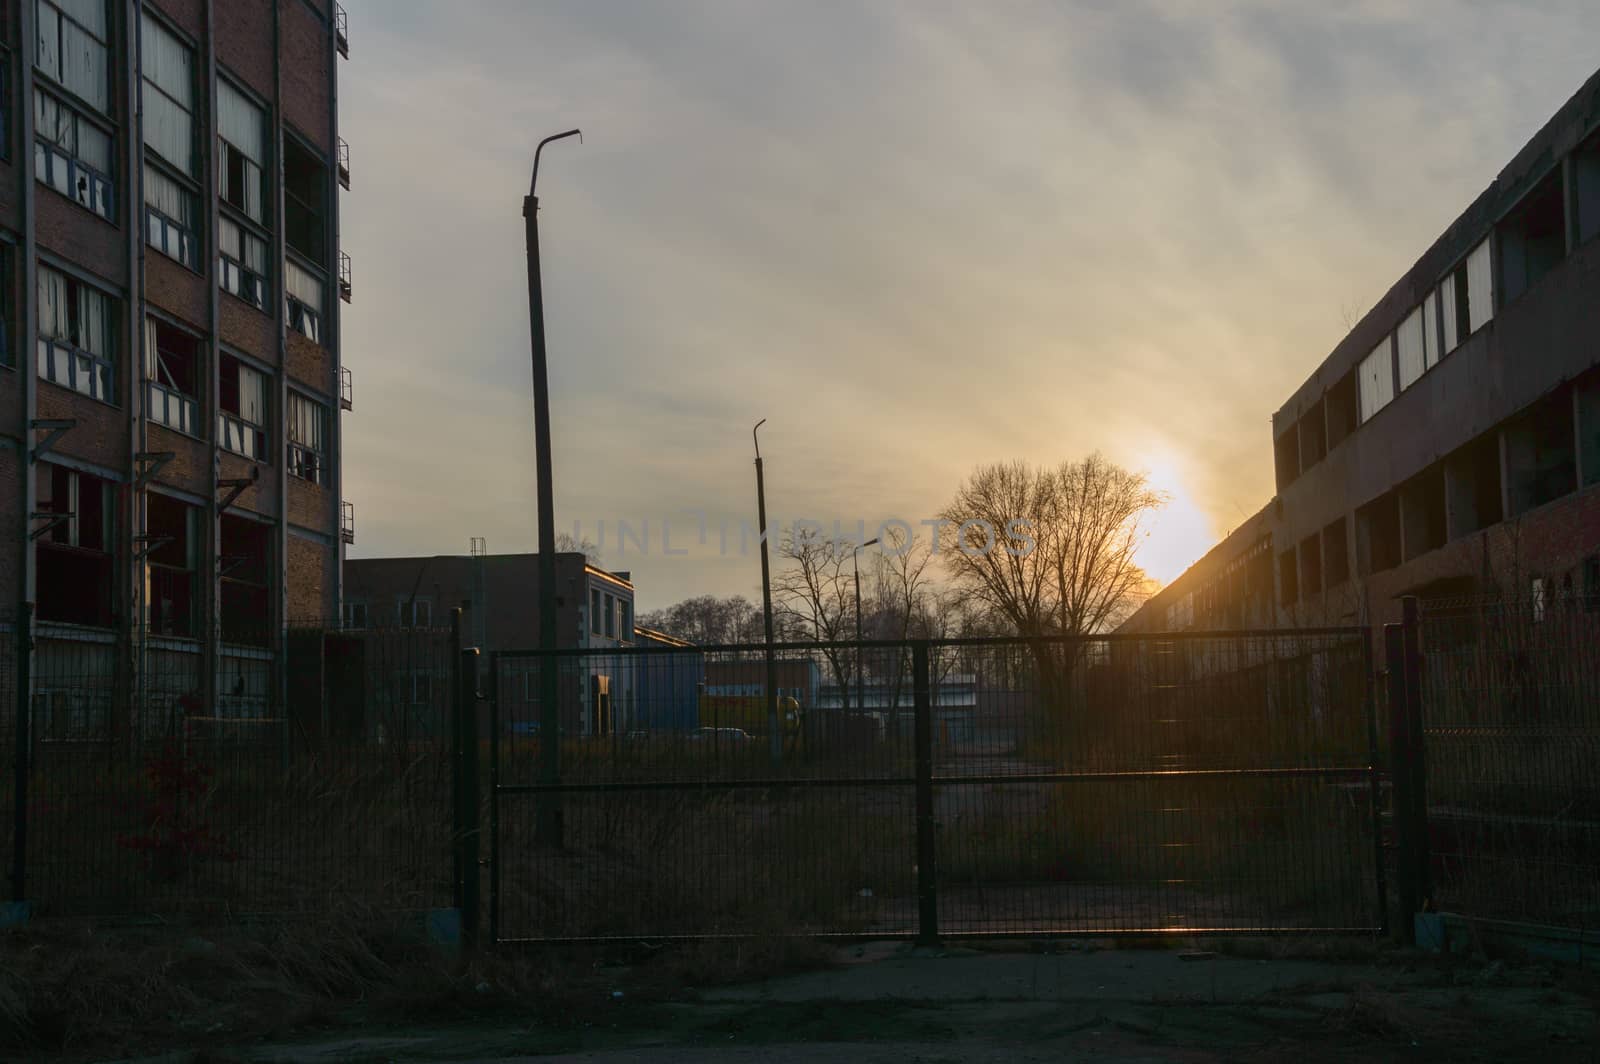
x=1192, y=782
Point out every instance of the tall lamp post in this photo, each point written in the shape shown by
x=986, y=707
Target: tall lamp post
x=855, y=563
x=774, y=740
x=548, y=826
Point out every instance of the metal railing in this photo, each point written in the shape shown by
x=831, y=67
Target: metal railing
x=1152, y=784
x=344, y=163
x=341, y=29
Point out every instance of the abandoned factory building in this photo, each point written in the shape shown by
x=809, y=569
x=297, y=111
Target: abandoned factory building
x=1449, y=447
x=170, y=376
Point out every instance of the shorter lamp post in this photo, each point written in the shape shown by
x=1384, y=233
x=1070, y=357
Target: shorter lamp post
x=855, y=563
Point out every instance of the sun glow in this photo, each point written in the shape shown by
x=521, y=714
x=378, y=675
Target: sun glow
x=1179, y=533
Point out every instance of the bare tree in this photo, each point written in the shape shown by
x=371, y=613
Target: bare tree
x=1050, y=549
x=566, y=543
x=708, y=620
x=815, y=593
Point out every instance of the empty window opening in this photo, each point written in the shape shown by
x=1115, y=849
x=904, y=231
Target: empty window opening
x=306, y=427
x=241, y=153
x=1288, y=579
x=1343, y=411
x=1588, y=389
x=1313, y=437
x=1335, y=555
x=1286, y=457
x=77, y=335
x=1311, y=565
x=1586, y=188
x=1541, y=460
x=610, y=616
x=172, y=360
x=1422, y=512
x=74, y=557
x=246, y=568
x=594, y=610
x=242, y=417
x=1378, y=534
x=1472, y=486
x=173, y=538
x=305, y=192
x=1533, y=237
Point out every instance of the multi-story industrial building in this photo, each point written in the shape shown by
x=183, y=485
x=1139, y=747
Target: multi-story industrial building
x=1449, y=447
x=171, y=386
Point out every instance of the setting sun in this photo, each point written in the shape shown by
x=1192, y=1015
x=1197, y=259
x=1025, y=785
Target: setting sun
x=1179, y=533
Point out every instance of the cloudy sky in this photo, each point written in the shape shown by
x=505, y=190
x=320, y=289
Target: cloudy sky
x=914, y=236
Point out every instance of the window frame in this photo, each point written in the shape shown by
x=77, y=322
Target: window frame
x=109, y=79
x=159, y=393
x=305, y=461
x=302, y=318
x=49, y=348
x=231, y=422
x=234, y=276
x=78, y=178
x=188, y=183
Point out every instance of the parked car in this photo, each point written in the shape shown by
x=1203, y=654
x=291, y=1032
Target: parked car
x=723, y=736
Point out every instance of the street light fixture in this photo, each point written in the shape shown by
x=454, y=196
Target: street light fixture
x=549, y=815
x=855, y=563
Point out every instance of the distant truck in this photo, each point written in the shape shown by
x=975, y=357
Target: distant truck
x=749, y=713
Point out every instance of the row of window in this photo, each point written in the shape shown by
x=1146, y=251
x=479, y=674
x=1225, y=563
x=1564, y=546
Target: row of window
x=408, y=613
x=609, y=614
x=74, y=153
x=76, y=546
x=77, y=349
x=1459, y=306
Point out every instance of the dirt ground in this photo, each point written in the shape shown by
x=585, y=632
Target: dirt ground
x=1197, y=1002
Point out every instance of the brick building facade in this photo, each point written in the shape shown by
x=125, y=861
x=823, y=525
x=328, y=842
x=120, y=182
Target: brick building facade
x=171, y=382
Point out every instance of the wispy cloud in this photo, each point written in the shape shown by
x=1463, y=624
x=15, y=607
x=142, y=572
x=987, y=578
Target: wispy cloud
x=913, y=236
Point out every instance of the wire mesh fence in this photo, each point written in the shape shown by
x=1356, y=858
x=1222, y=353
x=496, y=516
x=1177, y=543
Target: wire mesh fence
x=1115, y=784
x=269, y=774
x=1511, y=722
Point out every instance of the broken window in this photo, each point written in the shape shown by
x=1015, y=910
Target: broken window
x=1541, y=460
x=1311, y=565
x=1343, y=416
x=1378, y=534
x=1335, y=555
x=1533, y=238
x=172, y=530
x=73, y=154
x=242, y=262
x=172, y=372
x=77, y=335
x=1286, y=457
x=302, y=294
x=307, y=440
x=246, y=570
x=1288, y=579
x=74, y=557
x=1313, y=437
x=1376, y=378
x=241, y=153
x=242, y=418
x=172, y=165
x=1422, y=512
x=305, y=192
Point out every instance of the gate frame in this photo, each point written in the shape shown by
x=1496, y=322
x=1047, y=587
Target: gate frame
x=924, y=781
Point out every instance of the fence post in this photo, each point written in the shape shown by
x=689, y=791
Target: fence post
x=1403, y=657
x=927, y=868
x=467, y=797
x=23, y=757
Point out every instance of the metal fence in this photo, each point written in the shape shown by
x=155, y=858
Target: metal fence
x=153, y=774
x=1150, y=784
x=1511, y=741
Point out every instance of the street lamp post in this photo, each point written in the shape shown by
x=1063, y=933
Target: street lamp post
x=855, y=563
x=548, y=826
x=774, y=740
